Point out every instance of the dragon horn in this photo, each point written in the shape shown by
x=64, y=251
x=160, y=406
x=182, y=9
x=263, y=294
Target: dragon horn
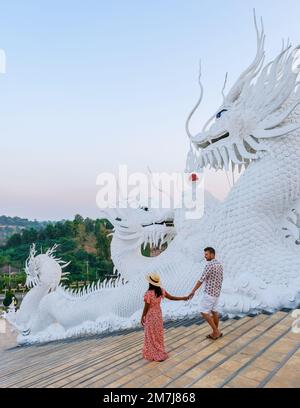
x=197, y=104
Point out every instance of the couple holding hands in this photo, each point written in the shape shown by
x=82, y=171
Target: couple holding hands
x=212, y=278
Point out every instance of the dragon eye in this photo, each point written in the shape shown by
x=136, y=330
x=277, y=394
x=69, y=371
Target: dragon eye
x=218, y=115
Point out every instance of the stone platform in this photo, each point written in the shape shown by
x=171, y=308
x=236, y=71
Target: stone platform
x=255, y=352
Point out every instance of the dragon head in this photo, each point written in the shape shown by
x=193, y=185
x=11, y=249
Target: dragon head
x=257, y=108
x=44, y=268
x=143, y=225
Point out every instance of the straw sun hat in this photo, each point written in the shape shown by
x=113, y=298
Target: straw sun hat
x=153, y=278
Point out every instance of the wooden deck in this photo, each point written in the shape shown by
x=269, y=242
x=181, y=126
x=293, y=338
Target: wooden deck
x=255, y=352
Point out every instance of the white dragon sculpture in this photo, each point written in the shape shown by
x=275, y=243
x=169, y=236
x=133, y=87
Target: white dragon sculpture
x=255, y=230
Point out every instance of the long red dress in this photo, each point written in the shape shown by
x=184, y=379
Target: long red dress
x=154, y=349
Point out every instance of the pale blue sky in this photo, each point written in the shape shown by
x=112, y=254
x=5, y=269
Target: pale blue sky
x=94, y=84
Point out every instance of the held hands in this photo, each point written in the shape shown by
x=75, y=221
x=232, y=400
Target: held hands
x=189, y=297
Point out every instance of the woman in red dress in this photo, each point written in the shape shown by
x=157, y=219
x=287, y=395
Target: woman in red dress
x=154, y=349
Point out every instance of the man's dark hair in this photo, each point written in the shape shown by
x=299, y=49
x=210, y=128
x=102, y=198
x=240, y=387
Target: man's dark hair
x=211, y=250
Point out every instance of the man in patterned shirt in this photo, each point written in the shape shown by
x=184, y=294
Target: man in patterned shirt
x=212, y=276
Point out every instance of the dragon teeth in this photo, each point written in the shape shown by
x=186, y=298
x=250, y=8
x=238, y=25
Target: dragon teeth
x=232, y=155
x=209, y=160
x=233, y=166
x=205, y=158
x=212, y=159
x=218, y=158
x=237, y=153
x=215, y=161
x=200, y=162
x=225, y=157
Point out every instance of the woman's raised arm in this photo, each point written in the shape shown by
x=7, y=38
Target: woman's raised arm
x=170, y=297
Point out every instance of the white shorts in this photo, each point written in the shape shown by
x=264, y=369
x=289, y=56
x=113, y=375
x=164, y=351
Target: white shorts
x=208, y=304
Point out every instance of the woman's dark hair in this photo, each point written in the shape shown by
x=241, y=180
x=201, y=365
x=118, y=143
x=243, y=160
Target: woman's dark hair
x=157, y=289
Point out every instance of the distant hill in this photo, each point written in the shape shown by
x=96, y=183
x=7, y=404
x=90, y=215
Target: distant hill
x=12, y=225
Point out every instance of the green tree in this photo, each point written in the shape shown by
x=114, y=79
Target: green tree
x=89, y=225
x=14, y=241
x=29, y=236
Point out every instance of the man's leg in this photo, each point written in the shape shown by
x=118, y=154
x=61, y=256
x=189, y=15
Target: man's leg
x=216, y=318
x=210, y=321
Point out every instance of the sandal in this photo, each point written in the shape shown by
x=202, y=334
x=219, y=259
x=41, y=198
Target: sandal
x=209, y=336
